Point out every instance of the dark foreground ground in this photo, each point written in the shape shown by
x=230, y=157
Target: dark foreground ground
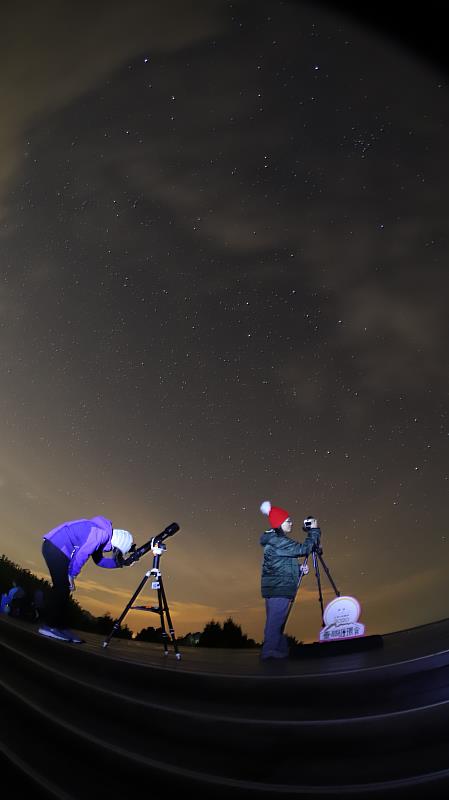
x=365, y=719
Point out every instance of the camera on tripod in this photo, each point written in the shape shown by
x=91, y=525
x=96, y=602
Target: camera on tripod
x=310, y=525
x=309, y=522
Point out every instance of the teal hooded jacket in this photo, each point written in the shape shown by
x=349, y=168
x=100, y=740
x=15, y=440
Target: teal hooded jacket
x=280, y=568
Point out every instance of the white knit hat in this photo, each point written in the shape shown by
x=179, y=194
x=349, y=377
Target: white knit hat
x=122, y=540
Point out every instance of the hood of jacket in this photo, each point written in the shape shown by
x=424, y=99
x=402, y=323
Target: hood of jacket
x=101, y=522
x=105, y=525
x=269, y=537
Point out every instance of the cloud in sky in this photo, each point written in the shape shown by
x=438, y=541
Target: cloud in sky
x=65, y=49
x=328, y=245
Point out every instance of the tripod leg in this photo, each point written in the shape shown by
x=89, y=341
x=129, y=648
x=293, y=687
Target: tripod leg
x=164, y=604
x=125, y=610
x=318, y=580
x=329, y=575
x=292, y=602
x=161, y=614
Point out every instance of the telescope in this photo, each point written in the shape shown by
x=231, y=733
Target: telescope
x=155, y=541
x=156, y=545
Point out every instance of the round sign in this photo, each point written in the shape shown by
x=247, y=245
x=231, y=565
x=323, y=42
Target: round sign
x=342, y=611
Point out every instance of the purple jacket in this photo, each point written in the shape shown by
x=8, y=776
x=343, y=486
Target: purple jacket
x=82, y=538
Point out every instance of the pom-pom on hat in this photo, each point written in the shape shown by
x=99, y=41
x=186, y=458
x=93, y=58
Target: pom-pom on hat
x=276, y=515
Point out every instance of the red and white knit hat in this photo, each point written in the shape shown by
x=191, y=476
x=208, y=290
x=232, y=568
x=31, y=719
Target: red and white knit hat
x=275, y=514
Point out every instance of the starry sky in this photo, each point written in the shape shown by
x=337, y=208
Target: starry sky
x=223, y=279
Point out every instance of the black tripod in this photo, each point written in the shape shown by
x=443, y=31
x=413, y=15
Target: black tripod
x=157, y=583
x=317, y=555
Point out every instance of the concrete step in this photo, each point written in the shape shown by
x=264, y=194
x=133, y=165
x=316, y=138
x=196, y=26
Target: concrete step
x=77, y=764
x=82, y=719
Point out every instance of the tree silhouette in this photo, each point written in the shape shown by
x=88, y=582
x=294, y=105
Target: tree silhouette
x=105, y=624
x=214, y=635
x=229, y=635
x=77, y=617
x=211, y=635
x=11, y=572
x=149, y=635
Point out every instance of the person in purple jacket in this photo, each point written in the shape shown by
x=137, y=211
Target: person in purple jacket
x=66, y=549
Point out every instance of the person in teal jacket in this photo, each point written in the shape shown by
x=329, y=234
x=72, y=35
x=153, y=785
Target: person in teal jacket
x=280, y=575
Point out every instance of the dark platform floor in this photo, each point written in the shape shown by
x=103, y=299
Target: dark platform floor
x=221, y=722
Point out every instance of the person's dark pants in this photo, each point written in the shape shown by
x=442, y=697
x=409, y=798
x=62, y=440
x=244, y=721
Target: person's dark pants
x=275, y=644
x=55, y=611
x=17, y=607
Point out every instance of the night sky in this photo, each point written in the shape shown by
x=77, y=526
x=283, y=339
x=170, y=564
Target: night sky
x=223, y=249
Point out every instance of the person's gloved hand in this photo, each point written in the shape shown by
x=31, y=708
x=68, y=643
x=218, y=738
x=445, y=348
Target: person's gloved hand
x=72, y=583
x=304, y=569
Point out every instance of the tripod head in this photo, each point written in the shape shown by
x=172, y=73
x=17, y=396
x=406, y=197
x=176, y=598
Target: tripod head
x=312, y=528
x=155, y=541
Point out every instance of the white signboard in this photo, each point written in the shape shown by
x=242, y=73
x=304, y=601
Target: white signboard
x=341, y=620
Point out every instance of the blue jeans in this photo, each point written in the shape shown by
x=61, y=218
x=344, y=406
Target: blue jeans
x=275, y=643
